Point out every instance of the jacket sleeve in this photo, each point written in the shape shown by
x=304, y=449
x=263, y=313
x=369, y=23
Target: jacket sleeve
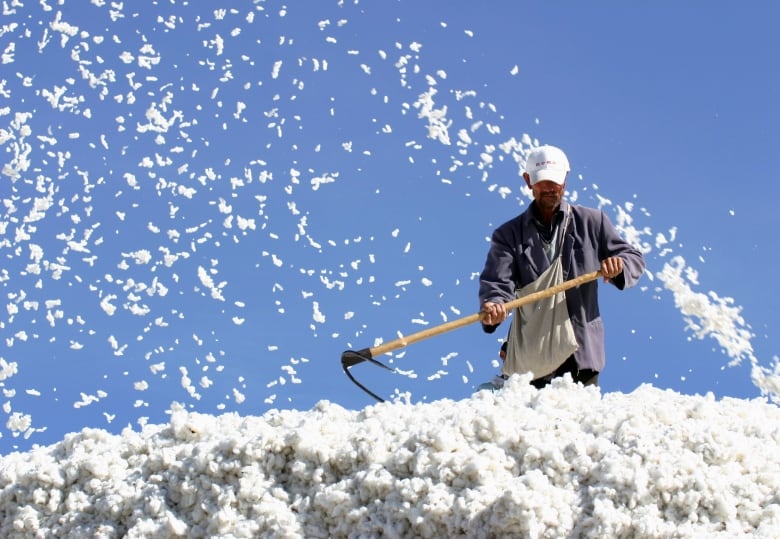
x=612, y=244
x=496, y=282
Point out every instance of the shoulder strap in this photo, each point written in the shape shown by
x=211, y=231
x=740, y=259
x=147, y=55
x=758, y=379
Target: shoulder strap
x=562, y=235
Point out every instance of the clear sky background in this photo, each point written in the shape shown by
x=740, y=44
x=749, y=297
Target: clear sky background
x=209, y=206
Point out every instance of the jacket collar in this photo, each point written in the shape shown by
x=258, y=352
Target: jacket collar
x=533, y=250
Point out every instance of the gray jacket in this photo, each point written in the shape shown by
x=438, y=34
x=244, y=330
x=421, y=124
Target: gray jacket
x=517, y=258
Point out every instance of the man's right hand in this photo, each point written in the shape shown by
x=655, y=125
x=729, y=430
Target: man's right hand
x=495, y=313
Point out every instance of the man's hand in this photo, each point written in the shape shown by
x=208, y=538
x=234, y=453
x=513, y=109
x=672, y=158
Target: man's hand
x=611, y=267
x=495, y=313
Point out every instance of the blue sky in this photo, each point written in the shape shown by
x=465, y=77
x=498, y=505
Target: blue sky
x=209, y=206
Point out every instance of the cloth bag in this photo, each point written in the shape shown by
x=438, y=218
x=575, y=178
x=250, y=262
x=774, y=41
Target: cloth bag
x=541, y=335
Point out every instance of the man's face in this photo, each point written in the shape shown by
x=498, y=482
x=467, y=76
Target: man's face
x=548, y=194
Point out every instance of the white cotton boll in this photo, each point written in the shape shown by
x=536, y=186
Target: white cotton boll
x=106, y=304
x=319, y=181
x=175, y=525
x=208, y=282
x=27, y=521
x=7, y=369
x=276, y=68
x=317, y=315
x=18, y=423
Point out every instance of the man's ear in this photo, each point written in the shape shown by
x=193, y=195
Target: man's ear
x=527, y=179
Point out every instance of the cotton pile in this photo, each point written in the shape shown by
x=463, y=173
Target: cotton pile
x=565, y=461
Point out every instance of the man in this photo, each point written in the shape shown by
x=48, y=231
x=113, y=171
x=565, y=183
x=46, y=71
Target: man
x=582, y=240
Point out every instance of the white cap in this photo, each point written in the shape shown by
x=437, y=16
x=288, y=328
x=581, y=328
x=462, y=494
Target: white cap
x=547, y=163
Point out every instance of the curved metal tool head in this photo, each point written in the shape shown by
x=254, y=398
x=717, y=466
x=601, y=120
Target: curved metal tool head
x=350, y=358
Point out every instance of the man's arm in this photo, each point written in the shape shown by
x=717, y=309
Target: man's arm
x=619, y=259
x=496, y=282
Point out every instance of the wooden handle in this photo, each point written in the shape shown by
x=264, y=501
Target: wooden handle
x=476, y=317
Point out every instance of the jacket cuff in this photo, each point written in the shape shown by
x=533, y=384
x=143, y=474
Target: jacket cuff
x=489, y=329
